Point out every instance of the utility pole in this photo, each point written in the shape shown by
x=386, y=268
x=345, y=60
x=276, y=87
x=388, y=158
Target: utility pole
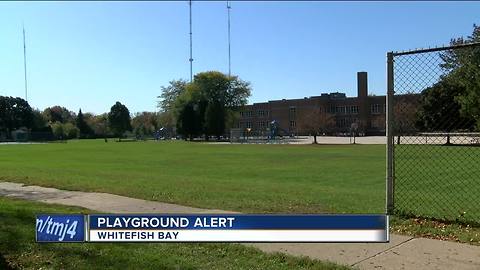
x=25, y=63
x=191, y=54
x=229, y=53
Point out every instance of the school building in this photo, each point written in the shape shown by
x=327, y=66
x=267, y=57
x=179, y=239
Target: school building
x=364, y=113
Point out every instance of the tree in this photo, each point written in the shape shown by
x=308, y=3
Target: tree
x=84, y=129
x=453, y=103
x=99, y=124
x=89, y=120
x=215, y=119
x=167, y=120
x=187, y=113
x=187, y=121
x=14, y=113
x=219, y=95
x=213, y=87
x=170, y=94
x=208, y=104
x=316, y=122
x=40, y=123
x=57, y=129
x=405, y=114
x=64, y=131
x=237, y=93
x=463, y=67
x=231, y=119
x=119, y=119
x=230, y=91
x=440, y=109
x=59, y=114
x=145, y=123
x=70, y=131
x=167, y=101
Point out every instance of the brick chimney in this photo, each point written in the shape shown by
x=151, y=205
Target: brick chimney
x=362, y=84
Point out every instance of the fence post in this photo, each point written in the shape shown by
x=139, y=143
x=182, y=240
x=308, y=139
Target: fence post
x=389, y=133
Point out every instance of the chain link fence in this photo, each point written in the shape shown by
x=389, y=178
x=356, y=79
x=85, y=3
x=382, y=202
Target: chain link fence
x=433, y=153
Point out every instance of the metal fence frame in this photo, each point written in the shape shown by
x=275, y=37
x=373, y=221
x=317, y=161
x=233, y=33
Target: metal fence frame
x=390, y=151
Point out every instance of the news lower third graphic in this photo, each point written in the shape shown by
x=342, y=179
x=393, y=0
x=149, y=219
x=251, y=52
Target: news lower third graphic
x=212, y=228
x=60, y=228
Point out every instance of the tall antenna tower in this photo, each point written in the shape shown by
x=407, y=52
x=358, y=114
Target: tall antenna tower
x=191, y=54
x=25, y=62
x=229, y=54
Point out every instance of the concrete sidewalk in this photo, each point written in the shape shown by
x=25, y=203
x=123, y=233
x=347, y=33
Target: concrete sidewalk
x=402, y=252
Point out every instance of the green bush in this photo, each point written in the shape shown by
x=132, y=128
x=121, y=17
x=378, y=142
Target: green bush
x=65, y=131
x=57, y=129
x=70, y=131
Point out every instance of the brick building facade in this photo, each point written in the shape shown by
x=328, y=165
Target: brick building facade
x=338, y=111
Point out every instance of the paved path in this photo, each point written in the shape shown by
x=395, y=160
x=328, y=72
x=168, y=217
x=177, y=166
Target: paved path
x=436, y=140
x=320, y=140
x=402, y=252
x=342, y=140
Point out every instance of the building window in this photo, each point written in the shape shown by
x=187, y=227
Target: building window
x=249, y=125
x=340, y=110
x=262, y=113
x=293, y=124
x=376, y=108
x=354, y=109
x=348, y=122
x=331, y=109
x=262, y=124
x=244, y=114
x=292, y=112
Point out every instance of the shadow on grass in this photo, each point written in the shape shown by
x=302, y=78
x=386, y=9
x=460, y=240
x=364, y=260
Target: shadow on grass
x=459, y=220
x=4, y=264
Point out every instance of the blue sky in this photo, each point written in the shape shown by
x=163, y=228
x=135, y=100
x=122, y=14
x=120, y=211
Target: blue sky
x=90, y=54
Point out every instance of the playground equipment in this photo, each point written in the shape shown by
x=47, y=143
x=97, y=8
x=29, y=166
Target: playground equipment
x=276, y=130
x=353, y=132
x=162, y=133
x=273, y=134
x=273, y=129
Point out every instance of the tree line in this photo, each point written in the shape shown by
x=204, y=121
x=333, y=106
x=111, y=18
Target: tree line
x=207, y=106
x=58, y=122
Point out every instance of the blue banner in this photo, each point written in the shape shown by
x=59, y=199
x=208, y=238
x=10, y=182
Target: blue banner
x=60, y=228
x=238, y=222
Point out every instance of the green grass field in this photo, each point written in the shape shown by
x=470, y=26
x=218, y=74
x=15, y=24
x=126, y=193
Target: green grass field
x=431, y=181
x=18, y=249
x=437, y=181
x=246, y=178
